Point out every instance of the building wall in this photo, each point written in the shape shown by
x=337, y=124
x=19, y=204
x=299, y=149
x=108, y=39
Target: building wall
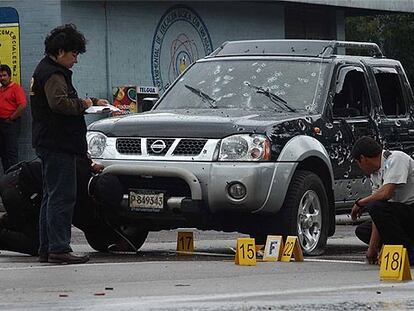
x=35, y=22
x=310, y=22
x=121, y=45
x=130, y=29
x=406, y=6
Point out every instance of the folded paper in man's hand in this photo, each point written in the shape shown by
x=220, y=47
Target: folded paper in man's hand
x=101, y=109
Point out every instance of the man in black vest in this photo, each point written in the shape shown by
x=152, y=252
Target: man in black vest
x=59, y=136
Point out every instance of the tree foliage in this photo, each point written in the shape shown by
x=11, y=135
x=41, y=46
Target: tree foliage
x=394, y=33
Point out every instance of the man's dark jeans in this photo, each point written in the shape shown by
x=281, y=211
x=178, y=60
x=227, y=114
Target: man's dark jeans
x=9, y=135
x=59, y=199
x=363, y=231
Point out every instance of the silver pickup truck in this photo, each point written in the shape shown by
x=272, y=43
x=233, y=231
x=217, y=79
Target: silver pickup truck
x=257, y=138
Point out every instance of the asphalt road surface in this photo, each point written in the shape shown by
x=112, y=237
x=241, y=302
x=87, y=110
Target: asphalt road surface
x=158, y=279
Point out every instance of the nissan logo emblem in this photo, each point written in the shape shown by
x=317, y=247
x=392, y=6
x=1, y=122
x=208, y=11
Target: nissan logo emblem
x=158, y=146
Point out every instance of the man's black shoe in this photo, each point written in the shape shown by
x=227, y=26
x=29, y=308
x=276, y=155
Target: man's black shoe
x=67, y=258
x=43, y=258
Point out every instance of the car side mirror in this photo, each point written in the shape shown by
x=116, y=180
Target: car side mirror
x=148, y=103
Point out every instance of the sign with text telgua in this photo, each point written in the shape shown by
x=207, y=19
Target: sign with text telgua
x=10, y=41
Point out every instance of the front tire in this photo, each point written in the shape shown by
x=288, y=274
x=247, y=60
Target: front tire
x=100, y=242
x=305, y=212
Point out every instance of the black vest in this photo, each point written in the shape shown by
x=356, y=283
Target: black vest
x=51, y=130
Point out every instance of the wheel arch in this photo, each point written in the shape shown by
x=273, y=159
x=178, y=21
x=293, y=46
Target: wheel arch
x=302, y=147
x=307, y=153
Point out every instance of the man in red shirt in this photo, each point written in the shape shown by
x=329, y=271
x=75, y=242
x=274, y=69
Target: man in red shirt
x=12, y=105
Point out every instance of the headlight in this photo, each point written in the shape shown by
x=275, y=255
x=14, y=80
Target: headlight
x=244, y=147
x=96, y=143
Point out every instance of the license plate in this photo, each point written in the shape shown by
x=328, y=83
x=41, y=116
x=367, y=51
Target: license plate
x=146, y=200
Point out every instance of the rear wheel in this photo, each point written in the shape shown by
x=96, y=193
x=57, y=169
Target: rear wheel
x=305, y=212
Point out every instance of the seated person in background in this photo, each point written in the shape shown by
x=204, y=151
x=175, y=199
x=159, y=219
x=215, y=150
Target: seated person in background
x=21, y=193
x=391, y=204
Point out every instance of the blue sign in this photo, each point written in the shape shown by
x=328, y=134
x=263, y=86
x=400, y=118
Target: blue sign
x=180, y=38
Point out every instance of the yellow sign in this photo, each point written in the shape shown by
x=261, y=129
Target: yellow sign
x=394, y=263
x=245, y=252
x=185, y=243
x=292, y=248
x=10, y=49
x=273, y=249
x=380, y=256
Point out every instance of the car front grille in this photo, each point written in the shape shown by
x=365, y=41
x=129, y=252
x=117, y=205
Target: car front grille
x=128, y=145
x=190, y=147
x=160, y=146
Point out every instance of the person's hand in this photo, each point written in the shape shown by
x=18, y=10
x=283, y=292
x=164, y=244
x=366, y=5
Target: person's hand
x=356, y=212
x=372, y=255
x=88, y=102
x=97, y=168
x=102, y=102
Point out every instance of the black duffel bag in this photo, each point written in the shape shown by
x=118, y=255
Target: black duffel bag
x=21, y=193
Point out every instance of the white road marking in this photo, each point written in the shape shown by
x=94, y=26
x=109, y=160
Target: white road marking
x=47, y=266
x=201, y=253
x=335, y=261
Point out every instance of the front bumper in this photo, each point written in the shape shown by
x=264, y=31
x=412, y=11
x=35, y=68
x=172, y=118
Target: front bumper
x=266, y=182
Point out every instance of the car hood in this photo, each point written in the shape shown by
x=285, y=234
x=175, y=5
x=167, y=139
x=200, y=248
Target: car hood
x=198, y=123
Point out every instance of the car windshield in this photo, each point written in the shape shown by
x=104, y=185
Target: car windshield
x=281, y=85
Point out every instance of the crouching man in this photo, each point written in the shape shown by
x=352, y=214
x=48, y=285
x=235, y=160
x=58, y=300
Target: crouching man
x=391, y=204
x=21, y=193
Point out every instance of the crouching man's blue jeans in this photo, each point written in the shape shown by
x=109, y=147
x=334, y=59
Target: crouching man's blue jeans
x=59, y=199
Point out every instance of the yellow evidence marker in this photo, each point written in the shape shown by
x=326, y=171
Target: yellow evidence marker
x=245, y=252
x=292, y=247
x=395, y=265
x=273, y=249
x=185, y=243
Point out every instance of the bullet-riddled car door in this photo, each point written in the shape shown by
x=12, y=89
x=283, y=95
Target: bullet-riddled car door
x=395, y=119
x=351, y=113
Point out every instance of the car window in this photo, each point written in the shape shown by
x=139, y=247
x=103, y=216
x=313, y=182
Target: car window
x=351, y=97
x=249, y=84
x=391, y=91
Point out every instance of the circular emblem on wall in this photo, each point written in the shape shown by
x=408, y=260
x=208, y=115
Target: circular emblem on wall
x=180, y=39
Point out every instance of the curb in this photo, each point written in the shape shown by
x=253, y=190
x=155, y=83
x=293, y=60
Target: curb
x=345, y=219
